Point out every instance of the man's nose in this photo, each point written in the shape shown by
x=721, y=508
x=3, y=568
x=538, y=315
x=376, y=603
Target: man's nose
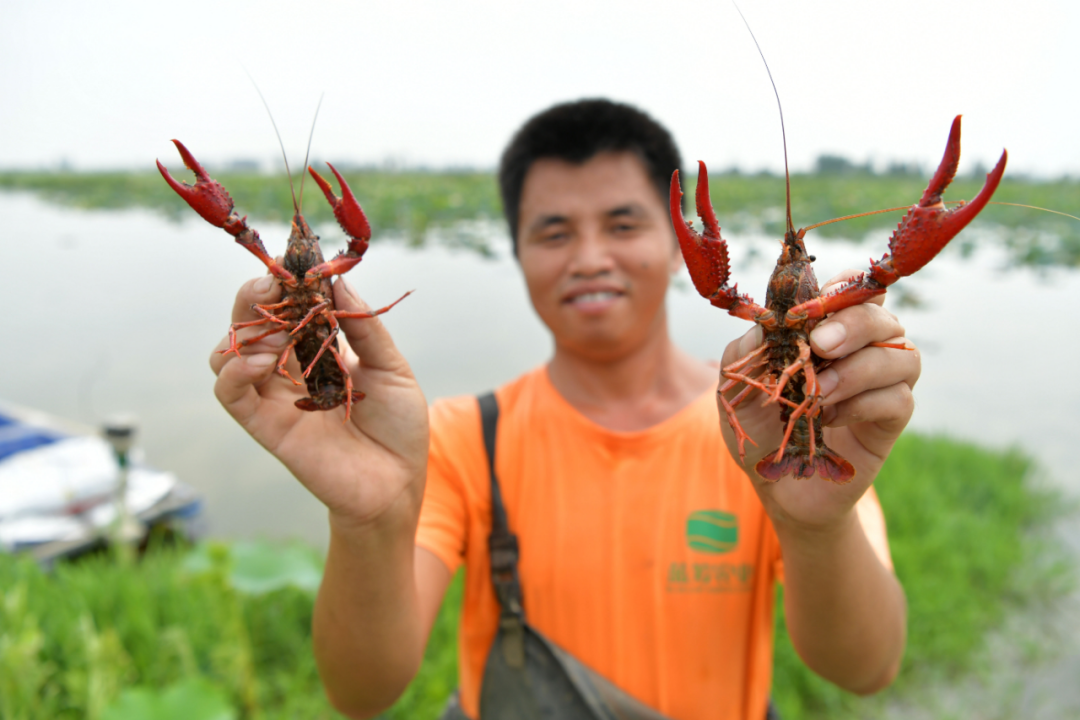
x=592, y=254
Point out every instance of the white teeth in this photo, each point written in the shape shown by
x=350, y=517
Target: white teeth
x=595, y=296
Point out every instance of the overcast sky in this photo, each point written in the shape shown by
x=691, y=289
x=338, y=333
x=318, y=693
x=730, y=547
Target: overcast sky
x=108, y=83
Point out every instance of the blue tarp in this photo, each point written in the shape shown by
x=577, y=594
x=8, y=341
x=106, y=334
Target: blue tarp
x=60, y=484
x=16, y=437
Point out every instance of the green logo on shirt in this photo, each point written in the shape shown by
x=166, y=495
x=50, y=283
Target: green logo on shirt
x=712, y=531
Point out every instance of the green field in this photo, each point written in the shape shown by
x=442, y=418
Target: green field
x=411, y=204
x=224, y=631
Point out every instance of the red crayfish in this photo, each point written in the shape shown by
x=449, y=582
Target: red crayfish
x=306, y=309
x=784, y=367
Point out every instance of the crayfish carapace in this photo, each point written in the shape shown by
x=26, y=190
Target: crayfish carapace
x=784, y=367
x=306, y=310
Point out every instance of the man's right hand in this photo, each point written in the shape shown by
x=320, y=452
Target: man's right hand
x=360, y=468
x=380, y=593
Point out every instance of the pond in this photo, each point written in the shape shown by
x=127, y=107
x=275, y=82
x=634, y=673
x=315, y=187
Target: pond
x=118, y=311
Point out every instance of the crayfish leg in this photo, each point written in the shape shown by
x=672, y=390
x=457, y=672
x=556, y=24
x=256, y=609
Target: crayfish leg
x=749, y=363
x=234, y=346
x=330, y=338
x=729, y=409
x=280, y=369
x=312, y=314
x=801, y=363
x=350, y=394
x=373, y=313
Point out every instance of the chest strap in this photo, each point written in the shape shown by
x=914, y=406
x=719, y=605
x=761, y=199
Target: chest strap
x=503, y=549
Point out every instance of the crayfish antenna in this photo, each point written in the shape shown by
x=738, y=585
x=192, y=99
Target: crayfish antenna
x=789, y=237
x=296, y=206
x=307, y=155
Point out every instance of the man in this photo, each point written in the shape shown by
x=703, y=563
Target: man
x=605, y=455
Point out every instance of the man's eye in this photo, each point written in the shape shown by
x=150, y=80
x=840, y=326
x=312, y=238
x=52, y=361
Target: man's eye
x=554, y=236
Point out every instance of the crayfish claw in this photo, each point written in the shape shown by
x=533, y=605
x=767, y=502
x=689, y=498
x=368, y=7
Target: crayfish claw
x=705, y=253
x=207, y=196
x=946, y=170
x=929, y=226
x=351, y=219
x=347, y=210
x=190, y=162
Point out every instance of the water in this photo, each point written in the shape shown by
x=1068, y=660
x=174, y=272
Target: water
x=119, y=311
x=116, y=312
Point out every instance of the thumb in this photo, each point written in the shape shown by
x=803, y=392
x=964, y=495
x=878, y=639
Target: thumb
x=367, y=336
x=743, y=346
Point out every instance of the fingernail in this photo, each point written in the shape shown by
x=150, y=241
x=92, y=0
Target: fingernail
x=751, y=340
x=349, y=289
x=277, y=340
x=262, y=285
x=829, y=336
x=261, y=360
x=827, y=381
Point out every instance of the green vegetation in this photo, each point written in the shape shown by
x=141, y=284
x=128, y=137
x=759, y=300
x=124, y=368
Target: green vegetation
x=224, y=631
x=217, y=626
x=398, y=204
x=413, y=204
x=964, y=528
x=1033, y=238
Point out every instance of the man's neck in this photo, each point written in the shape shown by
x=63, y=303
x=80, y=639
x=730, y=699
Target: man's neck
x=635, y=391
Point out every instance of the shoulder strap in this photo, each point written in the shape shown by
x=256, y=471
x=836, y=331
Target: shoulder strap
x=503, y=548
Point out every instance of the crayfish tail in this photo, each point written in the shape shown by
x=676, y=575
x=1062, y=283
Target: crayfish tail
x=327, y=401
x=308, y=404
x=831, y=466
x=797, y=463
x=791, y=463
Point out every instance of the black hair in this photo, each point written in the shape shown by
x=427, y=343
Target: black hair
x=577, y=131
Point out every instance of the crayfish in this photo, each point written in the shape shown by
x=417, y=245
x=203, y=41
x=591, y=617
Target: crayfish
x=784, y=368
x=306, y=309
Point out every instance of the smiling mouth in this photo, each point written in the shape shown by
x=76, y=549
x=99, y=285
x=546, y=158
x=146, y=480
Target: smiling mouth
x=594, y=297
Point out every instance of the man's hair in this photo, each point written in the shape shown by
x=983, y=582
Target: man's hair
x=577, y=131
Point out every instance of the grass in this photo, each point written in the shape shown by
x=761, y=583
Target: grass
x=964, y=528
x=420, y=205
x=399, y=204
x=78, y=642
x=1033, y=238
x=102, y=636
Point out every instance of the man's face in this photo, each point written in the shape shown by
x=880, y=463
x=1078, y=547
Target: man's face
x=597, y=250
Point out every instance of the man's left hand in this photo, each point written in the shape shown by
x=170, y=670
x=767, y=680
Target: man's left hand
x=867, y=403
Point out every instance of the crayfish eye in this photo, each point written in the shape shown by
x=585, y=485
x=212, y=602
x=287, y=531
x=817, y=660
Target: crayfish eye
x=812, y=257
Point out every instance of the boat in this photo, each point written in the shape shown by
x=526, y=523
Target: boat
x=60, y=483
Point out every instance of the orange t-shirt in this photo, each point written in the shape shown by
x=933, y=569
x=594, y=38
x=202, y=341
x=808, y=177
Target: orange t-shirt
x=645, y=554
